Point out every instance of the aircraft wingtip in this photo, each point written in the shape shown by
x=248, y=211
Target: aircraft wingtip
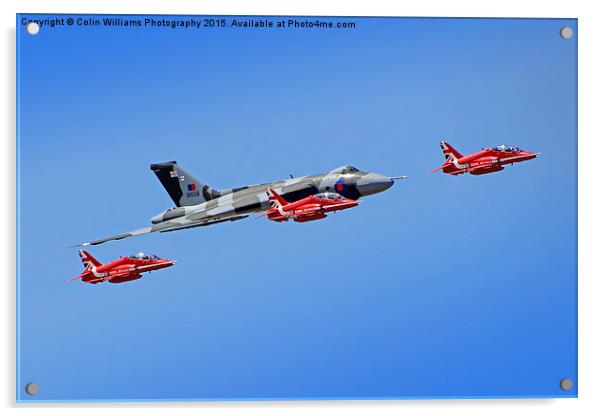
x=79, y=245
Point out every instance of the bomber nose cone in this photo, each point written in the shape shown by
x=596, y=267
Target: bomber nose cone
x=373, y=183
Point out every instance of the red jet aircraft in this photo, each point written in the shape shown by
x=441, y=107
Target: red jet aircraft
x=485, y=161
x=313, y=207
x=121, y=270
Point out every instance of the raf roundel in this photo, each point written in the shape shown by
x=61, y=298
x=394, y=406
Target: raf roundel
x=339, y=186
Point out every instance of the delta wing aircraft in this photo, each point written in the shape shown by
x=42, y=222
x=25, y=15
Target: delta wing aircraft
x=198, y=205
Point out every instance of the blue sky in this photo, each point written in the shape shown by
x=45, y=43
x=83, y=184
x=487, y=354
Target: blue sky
x=441, y=286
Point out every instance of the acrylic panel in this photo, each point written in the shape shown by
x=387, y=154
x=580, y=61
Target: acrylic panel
x=337, y=207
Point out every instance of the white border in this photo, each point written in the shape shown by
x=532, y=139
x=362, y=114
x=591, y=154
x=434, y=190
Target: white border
x=590, y=143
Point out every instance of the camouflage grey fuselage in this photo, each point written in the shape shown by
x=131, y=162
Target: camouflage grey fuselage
x=197, y=204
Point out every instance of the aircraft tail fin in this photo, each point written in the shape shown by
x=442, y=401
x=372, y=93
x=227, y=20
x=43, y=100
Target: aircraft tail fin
x=449, y=151
x=183, y=188
x=275, y=199
x=88, y=260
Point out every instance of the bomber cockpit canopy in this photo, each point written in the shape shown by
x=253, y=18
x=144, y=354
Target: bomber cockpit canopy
x=143, y=256
x=506, y=148
x=345, y=169
x=329, y=195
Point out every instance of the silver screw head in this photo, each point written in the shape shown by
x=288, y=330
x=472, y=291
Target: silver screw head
x=566, y=384
x=566, y=32
x=32, y=28
x=32, y=389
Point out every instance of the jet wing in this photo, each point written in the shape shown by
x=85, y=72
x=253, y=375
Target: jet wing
x=124, y=273
x=95, y=280
x=481, y=165
x=230, y=207
x=113, y=276
x=164, y=227
x=202, y=223
x=139, y=231
x=331, y=208
x=343, y=206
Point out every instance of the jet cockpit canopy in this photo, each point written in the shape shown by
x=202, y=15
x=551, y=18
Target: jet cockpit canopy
x=143, y=256
x=506, y=148
x=329, y=195
x=346, y=169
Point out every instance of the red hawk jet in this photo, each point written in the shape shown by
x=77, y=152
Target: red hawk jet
x=310, y=208
x=121, y=270
x=484, y=161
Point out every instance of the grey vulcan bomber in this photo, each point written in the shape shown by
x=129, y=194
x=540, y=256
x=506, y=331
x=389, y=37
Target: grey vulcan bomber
x=198, y=205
